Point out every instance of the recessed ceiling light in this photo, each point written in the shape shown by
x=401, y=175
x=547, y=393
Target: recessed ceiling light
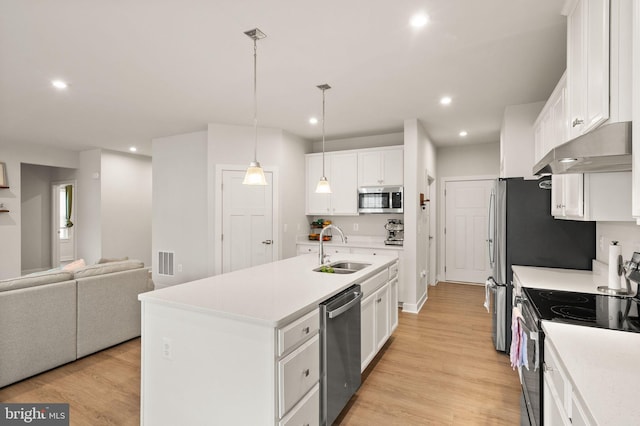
x=313, y=120
x=133, y=149
x=59, y=84
x=445, y=100
x=568, y=160
x=463, y=133
x=419, y=20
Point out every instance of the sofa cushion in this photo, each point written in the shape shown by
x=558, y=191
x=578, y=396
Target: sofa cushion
x=106, y=268
x=38, y=278
x=112, y=259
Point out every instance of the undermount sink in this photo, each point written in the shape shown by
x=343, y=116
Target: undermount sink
x=342, y=267
x=356, y=266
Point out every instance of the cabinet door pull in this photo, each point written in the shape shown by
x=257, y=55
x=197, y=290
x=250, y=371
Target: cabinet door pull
x=577, y=122
x=305, y=330
x=379, y=300
x=306, y=372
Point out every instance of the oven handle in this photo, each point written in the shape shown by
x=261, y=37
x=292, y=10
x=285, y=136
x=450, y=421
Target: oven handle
x=533, y=335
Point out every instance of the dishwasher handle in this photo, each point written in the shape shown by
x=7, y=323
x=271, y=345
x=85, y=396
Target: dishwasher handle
x=354, y=298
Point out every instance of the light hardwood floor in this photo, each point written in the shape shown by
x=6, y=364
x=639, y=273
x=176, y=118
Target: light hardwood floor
x=439, y=368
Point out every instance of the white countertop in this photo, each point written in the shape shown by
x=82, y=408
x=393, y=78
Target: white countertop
x=559, y=279
x=603, y=366
x=269, y=294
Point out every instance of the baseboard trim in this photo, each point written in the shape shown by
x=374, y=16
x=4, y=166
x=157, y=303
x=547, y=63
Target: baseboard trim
x=414, y=308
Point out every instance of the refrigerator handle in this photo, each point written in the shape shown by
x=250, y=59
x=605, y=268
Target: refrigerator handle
x=491, y=235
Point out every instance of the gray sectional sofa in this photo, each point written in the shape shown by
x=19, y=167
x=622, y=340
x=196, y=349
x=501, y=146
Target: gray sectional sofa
x=52, y=318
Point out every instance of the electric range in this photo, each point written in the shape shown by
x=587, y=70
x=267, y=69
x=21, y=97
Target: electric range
x=592, y=310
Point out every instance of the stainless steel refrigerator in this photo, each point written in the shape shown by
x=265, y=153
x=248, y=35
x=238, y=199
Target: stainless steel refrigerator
x=523, y=232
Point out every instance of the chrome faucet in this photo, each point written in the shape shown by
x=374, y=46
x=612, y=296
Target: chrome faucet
x=321, y=250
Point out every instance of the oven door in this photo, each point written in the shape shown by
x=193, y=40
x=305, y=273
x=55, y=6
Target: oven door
x=531, y=377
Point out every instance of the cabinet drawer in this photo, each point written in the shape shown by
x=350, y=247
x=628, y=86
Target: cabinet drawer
x=294, y=333
x=554, y=376
x=375, y=282
x=307, y=412
x=298, y=372
x=393, y=271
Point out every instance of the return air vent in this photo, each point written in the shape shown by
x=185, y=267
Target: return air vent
x=165, y=262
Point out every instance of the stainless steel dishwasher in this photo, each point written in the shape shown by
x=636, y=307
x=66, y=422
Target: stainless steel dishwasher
x=339, y=352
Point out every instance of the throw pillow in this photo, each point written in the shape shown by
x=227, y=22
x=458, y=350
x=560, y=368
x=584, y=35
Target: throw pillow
x=75, y=265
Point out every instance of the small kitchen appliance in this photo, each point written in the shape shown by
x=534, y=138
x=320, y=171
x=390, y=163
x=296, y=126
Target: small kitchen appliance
x=395, y=232
x=380, y=199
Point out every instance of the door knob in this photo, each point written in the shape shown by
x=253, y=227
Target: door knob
x=267, y=242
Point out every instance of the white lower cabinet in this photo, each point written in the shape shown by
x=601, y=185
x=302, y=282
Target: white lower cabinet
x=306, y=412
x=562, y=403
x=375, y=314
x=298, y=372
x=367, y=331
x=393, y=304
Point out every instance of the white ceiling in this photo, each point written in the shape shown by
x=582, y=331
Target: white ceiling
x=141, y=69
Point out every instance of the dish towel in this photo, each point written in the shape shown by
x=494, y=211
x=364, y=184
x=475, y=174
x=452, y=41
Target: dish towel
x=517, y=339
x=487, y=293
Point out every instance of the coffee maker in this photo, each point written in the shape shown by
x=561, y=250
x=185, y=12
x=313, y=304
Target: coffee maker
x=395, y=232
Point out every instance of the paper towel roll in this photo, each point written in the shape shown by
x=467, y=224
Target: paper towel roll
x=614, y=254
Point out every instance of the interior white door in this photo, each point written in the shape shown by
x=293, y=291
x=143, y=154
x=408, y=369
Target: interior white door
x=63, y=239
x=247, y=222
x=466, y=210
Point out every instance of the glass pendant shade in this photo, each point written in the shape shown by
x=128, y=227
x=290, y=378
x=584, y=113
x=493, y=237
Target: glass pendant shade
x=323, y=186
x=254, y=175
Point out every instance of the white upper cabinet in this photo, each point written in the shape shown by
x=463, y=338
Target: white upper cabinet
x=381, y=167
x=550, y=128
x=598, y=63
x=592, y=196
x=588, y=65
x=341, y=169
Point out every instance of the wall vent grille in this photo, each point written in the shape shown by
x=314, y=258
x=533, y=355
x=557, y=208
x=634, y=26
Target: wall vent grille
x=165, y=263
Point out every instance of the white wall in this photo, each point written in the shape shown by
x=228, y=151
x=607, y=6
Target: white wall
x=626, y=233
x=184, y=189
x=89, y=213
x=469, y=160
x=292, y=192
x=10, y=223
x=419, y=157
x=35, y=203
x=180, y=205
x=126, y=206
x=373, y=141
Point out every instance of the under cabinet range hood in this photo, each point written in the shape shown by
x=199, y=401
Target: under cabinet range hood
x=605, y=149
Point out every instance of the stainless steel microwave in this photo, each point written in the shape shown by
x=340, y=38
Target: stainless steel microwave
x=380, y=199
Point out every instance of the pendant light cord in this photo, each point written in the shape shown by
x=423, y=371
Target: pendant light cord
x=255, y=99
x=323, y=175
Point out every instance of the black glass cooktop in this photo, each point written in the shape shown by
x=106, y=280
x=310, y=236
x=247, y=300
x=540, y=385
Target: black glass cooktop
x=593, y=310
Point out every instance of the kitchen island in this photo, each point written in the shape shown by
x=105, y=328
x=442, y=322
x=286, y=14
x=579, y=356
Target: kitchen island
x=243, y=347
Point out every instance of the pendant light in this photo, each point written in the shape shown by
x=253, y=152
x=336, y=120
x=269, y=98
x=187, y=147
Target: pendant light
x=255, y=174
x=323, y=184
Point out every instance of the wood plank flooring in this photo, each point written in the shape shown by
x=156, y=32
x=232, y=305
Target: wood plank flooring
x=439, y=368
